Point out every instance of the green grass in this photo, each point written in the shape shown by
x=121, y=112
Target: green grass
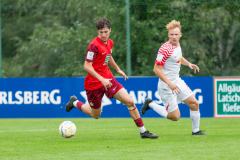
x=118, y=139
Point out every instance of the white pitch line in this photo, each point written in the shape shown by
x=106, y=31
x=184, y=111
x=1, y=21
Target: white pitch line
x=27, y=130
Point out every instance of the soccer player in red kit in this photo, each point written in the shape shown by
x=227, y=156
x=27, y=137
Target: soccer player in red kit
x=100, y=80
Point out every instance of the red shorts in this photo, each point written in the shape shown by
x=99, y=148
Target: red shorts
x=95, y=96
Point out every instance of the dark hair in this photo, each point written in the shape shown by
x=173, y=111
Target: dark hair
x=102, y=23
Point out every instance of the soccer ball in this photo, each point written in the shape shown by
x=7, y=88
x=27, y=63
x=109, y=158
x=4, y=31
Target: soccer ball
x=67, y=129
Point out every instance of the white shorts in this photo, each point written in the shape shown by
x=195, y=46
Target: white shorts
x=171, y=100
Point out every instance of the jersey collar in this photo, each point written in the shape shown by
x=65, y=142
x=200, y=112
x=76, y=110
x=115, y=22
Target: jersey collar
x=100, y=41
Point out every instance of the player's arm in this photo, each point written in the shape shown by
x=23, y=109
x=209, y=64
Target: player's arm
x=158, y=71
x=91, y=54
x=89, y=68
x=117, y=68
x=194, y=67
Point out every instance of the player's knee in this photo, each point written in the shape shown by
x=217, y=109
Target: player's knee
x=175, y=117
x=130, y=103
x=194, y=105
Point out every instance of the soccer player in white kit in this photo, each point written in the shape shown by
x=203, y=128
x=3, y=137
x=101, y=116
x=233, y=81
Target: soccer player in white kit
x=171, y=88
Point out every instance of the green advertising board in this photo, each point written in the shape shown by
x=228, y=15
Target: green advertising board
x=227, y=97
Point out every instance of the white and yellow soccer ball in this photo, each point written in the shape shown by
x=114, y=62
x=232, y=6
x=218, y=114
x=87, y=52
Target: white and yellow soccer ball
x=67, y=129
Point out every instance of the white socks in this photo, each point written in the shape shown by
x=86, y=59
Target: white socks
x=142, y=129
x=75, y=103
x=159, y=109
x=195, y=116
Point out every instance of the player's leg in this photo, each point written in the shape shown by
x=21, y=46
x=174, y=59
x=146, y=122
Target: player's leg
x=174, y=115
x=186, y=95
x=85, y=108
x=194, y=113
x=171, y=104
x=159, y=109
x=169, y=110
x=93, y=108
x=125, y=98
x=118, y=92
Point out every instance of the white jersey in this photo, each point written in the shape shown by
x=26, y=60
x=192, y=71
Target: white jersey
x=169, y=57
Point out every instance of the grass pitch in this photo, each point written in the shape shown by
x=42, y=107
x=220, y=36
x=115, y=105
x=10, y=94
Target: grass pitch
x=118, y=139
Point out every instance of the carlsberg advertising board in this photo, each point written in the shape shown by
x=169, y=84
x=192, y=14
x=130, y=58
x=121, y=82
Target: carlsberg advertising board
x=46, y=97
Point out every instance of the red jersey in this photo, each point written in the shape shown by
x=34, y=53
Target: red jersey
x=99, y=54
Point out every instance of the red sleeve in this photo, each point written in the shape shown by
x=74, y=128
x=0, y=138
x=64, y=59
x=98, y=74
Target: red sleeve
x=163, y=54
x=93, y=48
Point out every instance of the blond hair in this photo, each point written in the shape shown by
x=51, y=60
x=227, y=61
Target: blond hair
x=173, y=24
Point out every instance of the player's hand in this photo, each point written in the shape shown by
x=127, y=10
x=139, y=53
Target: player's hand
x=106, y=83
x=194, y=67
x=174, y=88
x=122, y=74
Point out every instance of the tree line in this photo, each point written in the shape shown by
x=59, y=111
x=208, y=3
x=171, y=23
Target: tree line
x=48, y=38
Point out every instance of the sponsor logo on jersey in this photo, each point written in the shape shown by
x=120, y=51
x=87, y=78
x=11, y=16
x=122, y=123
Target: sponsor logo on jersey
x=107, y=59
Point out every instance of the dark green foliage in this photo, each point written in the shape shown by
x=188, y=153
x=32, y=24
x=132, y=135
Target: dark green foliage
x=49, y=37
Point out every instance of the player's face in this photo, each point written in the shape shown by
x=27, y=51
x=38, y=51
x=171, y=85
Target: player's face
x=174, y=36
x=104, y=34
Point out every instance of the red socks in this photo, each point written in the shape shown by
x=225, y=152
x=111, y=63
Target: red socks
x=139, y=122
x=79, y=105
